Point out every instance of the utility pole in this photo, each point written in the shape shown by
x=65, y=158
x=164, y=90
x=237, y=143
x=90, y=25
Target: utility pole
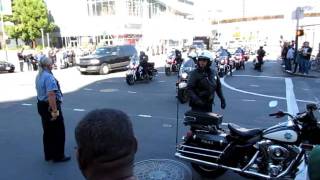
x=4, y=44
x=42, y=37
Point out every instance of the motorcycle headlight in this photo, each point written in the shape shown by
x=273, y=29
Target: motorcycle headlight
x=184, y=75
x=94, y=61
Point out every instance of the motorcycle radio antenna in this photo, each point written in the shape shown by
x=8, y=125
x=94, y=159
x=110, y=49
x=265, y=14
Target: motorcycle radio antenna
x=177, y=113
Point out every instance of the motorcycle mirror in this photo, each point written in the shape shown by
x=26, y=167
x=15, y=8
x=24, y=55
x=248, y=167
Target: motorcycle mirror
x=273, y=104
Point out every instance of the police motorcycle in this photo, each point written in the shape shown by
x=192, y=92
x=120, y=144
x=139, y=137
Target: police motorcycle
x=173, y=62
x=239, y=59
x=270, y=153
x=137, y=73
x=187, y=66
x=224, y=63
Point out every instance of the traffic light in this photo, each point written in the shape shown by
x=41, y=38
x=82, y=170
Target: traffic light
x=300, y=32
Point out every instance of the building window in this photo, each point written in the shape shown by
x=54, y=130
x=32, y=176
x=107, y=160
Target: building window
x=101, y=7
x=134, y=7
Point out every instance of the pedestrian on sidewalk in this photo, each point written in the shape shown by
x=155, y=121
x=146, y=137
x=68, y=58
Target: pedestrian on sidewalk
x=49, y=97
x=289, y=58
x=21, y=59
x=106, y=145
x=305, y=57
x=284, y=53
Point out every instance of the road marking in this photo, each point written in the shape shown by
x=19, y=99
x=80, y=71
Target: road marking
x=161, y=72
x=26, y=104
x=161, y=81
x=87, y=89
x=258, y=94
x=247, y=92
x=305, y=89
x=79, y=110
x=248, y=100
x=145, y=115
x=292, y=106
x=271, y=77
x=109, y=90
x=132, y=92
x=167, y=125
x=254, y=85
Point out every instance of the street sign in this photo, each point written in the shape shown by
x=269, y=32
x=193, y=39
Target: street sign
x=298, y=13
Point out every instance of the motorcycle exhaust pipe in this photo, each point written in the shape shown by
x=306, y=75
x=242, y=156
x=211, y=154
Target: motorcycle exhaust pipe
x=179, y=155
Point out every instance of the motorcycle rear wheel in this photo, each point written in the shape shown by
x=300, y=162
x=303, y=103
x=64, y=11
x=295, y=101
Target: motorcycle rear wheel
x=206, y=171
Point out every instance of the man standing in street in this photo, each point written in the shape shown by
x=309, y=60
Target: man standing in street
x=203, y=84
x=21, y=59
x=49, y=98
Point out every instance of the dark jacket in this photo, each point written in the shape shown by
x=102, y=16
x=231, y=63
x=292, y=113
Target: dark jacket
x=202, y=86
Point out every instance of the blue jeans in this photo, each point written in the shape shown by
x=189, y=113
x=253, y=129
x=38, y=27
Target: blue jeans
x=305, y=66
x=301, y=65
x=287, y=64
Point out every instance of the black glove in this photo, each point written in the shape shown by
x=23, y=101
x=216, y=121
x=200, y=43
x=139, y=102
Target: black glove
x=223, y=104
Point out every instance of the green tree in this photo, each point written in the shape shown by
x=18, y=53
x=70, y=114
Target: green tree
x=28, y=17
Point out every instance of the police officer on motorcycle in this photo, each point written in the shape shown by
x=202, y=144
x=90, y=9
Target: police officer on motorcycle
x=143, y=59
x=203, y=84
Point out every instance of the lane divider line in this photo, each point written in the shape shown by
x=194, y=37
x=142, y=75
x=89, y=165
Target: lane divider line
x=26, y=104
x=145, y=115
x=292, y=106
x=79, y=110
x=249, y=100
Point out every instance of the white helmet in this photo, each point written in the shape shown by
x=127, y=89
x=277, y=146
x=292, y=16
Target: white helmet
x=205, y=55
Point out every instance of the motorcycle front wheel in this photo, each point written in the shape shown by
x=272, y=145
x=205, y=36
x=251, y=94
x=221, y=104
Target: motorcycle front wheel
x=167, y=71
x=130, y=79
x=183, y=96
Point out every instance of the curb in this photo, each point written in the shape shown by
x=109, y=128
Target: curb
x=301, y=75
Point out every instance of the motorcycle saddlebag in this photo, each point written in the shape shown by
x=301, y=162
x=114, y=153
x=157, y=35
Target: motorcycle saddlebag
x=202, y=118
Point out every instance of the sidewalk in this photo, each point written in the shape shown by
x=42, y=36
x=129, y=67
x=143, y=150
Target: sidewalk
x=312, y=74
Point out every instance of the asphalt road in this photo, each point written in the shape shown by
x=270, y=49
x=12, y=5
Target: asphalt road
x=151, y=106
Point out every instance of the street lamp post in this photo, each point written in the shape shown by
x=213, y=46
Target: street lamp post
x=3, y=32
x=42, y=37
x=299, y=14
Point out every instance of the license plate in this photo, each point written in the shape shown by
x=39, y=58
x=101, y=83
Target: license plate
x=83, y=69
x=8, y=68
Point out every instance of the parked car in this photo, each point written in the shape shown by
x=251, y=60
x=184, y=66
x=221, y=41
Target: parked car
x=107, y=58
x=6, y=66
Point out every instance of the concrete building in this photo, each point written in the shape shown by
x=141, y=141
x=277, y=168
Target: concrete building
x=84, y=22
x=259, y=22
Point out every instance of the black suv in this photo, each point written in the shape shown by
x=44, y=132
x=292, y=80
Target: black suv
x=107, y=58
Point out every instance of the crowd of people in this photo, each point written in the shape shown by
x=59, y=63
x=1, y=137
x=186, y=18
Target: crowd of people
x=61, y=57
x=300, y=59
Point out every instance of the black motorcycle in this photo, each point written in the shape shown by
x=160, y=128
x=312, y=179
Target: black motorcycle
x=186, y=67
x=137, y=73
x=173, y=63
x=271, y=153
